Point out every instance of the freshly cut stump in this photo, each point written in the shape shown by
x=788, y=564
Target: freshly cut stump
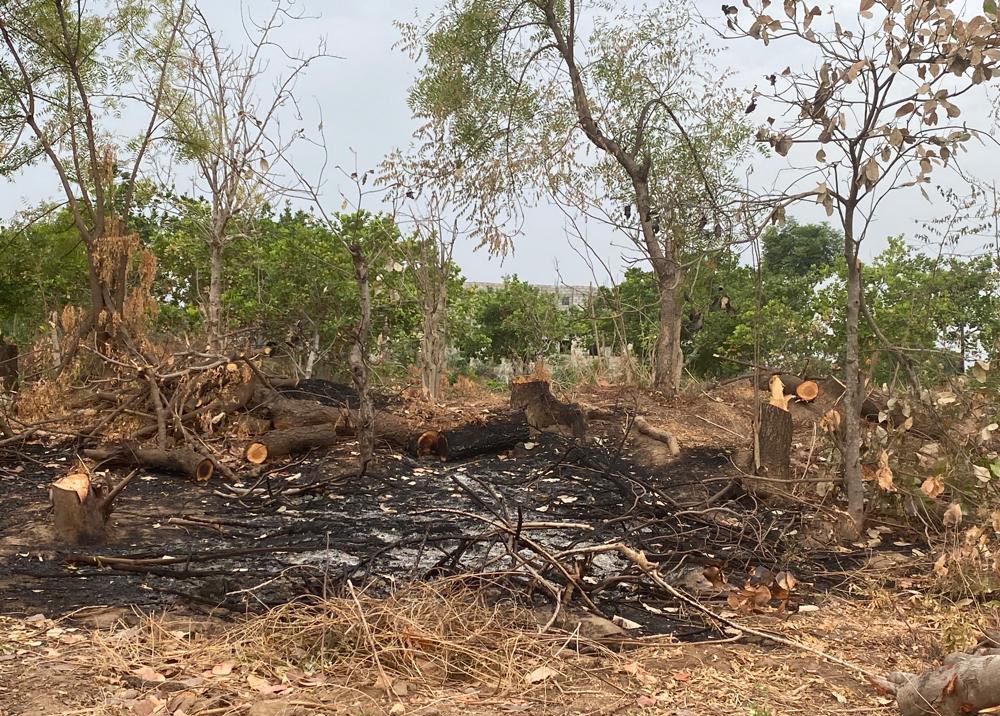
x=78, y=513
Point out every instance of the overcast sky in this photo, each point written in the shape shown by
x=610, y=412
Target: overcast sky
x=363, y=100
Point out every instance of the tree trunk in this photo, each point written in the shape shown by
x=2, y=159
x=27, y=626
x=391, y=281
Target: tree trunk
x=292, y=441
x=667, y=358
x=853, y=483
x=77, y=512
x=312, y=356
x=181, y=461
x=499, y=431
x=8, y=365
x=433, y=344
x=358, y=360
x=213, y=323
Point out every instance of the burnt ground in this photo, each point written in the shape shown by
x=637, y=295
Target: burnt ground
x=310, y=525
x=405, y=520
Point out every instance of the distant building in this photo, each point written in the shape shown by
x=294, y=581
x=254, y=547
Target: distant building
x=566, y=296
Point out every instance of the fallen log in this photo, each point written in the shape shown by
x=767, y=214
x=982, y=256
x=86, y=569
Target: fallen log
x=496, y=432
x=544, y=410
x=81, y=509
x=966, y=684
x=181, y=461
x=644, y=428
x=802, y=388
x=291, y=441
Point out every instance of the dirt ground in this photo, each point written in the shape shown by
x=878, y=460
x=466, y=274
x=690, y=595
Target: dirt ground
x=208, y=627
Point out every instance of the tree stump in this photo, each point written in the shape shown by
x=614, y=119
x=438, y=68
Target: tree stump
x=544, y=410
x=967, y=684
x=77, y=510
x=81, y=510
x=773, y=440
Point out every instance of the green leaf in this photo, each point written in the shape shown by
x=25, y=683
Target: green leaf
x=990, y=7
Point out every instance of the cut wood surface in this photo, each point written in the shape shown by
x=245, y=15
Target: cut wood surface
x=182, y=461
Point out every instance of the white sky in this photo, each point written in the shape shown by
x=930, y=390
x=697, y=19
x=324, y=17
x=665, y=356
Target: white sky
x=363, y=100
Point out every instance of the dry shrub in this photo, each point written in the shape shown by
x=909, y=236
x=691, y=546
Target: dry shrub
x=43, y=400
x=969, y=564
x=466, y=387
x=540, y=371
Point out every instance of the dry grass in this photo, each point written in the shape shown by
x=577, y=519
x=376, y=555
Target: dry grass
x=442, y=648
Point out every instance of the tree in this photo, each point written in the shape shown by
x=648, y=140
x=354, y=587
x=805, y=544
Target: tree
x=64, y=69
x=517, y=87
x=793, y=249
x=516, y=322
x=40, y=271
x=427, y=197
x=878, y=109
x=228, y=127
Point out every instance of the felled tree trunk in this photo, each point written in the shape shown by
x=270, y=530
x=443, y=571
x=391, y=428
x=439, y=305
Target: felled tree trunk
x=181, y=461
x=497, y=432
x=289, y=413
x=773, y=439
x=967, y=684
x=80, y=509
x=544, y=410
x=291, y=441
x=803, y=389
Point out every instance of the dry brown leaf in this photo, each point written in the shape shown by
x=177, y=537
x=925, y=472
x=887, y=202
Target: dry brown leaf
x=933, y=486
x=223, y=668
x=542, y=673
x=949, y=688
x=148, y=673
x=953, y=515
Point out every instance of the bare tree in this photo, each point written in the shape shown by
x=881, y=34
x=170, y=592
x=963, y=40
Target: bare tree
x=230, y=128
x=879, y=110
x=428, y=197
x=66, y=69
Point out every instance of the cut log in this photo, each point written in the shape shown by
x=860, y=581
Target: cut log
x=791, y=385
x=663, y=436
x=293, y=441
x=81, y=509
x=967, y=684
x=807, y=391
x=544, y=410
x=500, y=431
x=181, y=461
x=290, y=413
